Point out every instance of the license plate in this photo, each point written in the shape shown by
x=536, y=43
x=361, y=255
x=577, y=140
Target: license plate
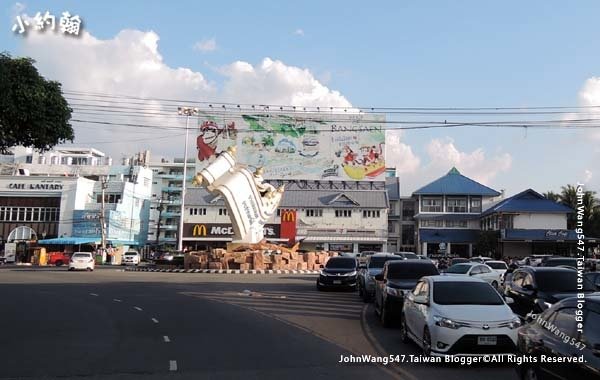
x=487, y=340
x=337, y=282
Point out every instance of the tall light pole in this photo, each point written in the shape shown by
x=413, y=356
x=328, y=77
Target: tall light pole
x=187, y=111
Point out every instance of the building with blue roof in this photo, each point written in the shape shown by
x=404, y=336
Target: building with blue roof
x=448, y=213
x=528, y=223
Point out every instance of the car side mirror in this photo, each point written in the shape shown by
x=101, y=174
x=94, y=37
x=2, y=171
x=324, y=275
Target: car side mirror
x=472, y=274
x=421, y=300
x=509, y=300
x=379, y=277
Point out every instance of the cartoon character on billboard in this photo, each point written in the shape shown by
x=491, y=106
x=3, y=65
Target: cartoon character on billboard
x=206, y=142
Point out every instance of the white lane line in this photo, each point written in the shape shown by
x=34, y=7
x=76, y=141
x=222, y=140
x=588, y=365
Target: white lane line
x=173, y=365
x=137, y=308
x=93, y=294
x=117, y=300
x=166, y=338
x=154, y=320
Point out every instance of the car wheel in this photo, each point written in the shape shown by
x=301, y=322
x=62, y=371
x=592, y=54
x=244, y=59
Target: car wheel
x=495, y=284
x=58, y=263
x=426, y=342
x=70, y=269
x=89, y=269
x=385, y=316
x=403, y=330
x=530, y=373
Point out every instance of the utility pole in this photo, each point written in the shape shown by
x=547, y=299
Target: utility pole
x=187, y=111
x=160, y=209
x=104, y=184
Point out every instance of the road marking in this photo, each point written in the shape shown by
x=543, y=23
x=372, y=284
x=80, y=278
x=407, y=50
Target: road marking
x=137, y=308
x=166, y=338
x=173, y=365
x=117, y=300
x=154, y=320
x=93, y=294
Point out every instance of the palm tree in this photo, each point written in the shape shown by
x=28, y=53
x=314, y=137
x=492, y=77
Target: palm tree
x=552, y=196
x=591, y=207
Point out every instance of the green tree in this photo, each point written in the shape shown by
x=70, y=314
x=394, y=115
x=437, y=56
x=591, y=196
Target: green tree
x=33, y=111
x=487, y=243
x=552, y=196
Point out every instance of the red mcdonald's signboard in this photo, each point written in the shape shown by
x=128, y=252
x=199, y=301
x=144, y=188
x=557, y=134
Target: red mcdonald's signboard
x=288, y=225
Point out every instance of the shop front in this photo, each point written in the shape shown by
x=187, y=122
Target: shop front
x=204, y=236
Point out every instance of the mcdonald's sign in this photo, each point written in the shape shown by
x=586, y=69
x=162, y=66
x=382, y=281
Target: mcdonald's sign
x=288, y=216
x=199, y=230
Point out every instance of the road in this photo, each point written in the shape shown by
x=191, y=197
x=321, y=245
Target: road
x=112, y=324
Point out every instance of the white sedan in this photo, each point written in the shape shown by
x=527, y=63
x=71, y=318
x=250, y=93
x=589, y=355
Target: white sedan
x=81, y=260
x=477, y=270
x=448, y=315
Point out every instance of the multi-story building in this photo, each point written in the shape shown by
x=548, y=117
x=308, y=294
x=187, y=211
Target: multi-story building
x=448, y=214
x=167, y=182
x=345, y=217
x=401, y=222
x=528, y=223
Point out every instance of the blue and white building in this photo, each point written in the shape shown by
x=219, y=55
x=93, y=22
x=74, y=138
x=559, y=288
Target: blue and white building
x=448, y=213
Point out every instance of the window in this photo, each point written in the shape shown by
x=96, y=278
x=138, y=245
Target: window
x=484, y=269
x=591, y=333
x=391, y=227
x=408, y=210
x=312, y=212
x=456, y=205
x=456, y=223
x=432, y=223
x=408, y=234
x=431, y=205
x=564, y=320
x=222, y=211
x=28, y=159
x=476, y=270
x=343, y=213
x=371, y=214
x=475, y=204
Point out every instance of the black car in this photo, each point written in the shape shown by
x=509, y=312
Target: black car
x=560, y=262
x=396, y=278
x=458, y=260
x=554, y=335
x=594, y=278
x=533, y=287
x=339, y=272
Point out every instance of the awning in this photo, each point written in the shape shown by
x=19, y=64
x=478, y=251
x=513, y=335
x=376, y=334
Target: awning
x=543, y=235
x=427, y=235
x=69, y=241
x=344, y=239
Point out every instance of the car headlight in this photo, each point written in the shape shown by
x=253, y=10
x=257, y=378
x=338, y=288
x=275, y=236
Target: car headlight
x=349, y=274
x=393, y=291
x=445, y=322
x=514, y=324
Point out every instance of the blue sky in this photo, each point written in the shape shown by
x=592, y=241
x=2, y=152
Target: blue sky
x=403, y=54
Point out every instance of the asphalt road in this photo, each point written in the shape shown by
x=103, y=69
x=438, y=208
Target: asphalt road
x=111, y=324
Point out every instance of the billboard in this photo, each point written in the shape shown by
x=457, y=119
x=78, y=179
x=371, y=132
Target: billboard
x=311, y=146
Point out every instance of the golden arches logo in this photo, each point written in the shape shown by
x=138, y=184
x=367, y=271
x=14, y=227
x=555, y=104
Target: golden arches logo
x=199, y=230
x=288, y=216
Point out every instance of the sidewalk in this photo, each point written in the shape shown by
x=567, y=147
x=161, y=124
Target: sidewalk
x=221, y=271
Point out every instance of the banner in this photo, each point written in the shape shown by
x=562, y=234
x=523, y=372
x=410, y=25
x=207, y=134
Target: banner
x=201, y=230
x=311, y=146
x=288, y=225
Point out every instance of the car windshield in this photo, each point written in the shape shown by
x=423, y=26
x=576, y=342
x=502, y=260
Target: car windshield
x=339, y=262
x=564, y=281
x=377, y=262
x=410, y=271
x=497, y=265
x=408, y=255
x=81, y=255
x=465, y=293
x=459, y=268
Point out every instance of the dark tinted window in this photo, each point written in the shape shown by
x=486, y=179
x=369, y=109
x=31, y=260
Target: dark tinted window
x=341, y=262
x=459, y=268
x=465, y=293
x=459, y=260
x=563, y=281
x=408, y=255
x=377, y=262
x=557, y=262
x=497, y=265
x=591, y=329
x=409, y=271
x=564, y=321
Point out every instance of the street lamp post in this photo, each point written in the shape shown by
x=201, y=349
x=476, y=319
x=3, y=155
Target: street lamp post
x=187, y=111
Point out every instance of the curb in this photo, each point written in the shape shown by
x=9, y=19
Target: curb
x=223, y=271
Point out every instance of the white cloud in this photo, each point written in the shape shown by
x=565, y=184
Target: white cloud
x=299, y=32
x=589, y=95
x=587, y=176
x=131, y=64
x=206, y=45
x=400, y=155
x=18, y=8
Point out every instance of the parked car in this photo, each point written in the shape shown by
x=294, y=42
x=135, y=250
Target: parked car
x=480, y=259
x=458, y=315
x=558, y=261
x=533, y=260
x=482, y=271
x=362, y=256
x=58, y=258
x=368, y=271
x=594, y=278
x=539, y=337
x=423, y=257
x=396, y=279
x=458, y=260
x=82, y=260
x=131, y=258
x=499, y=267
x=339, y=272
x=536, y=288
x=407, y=255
